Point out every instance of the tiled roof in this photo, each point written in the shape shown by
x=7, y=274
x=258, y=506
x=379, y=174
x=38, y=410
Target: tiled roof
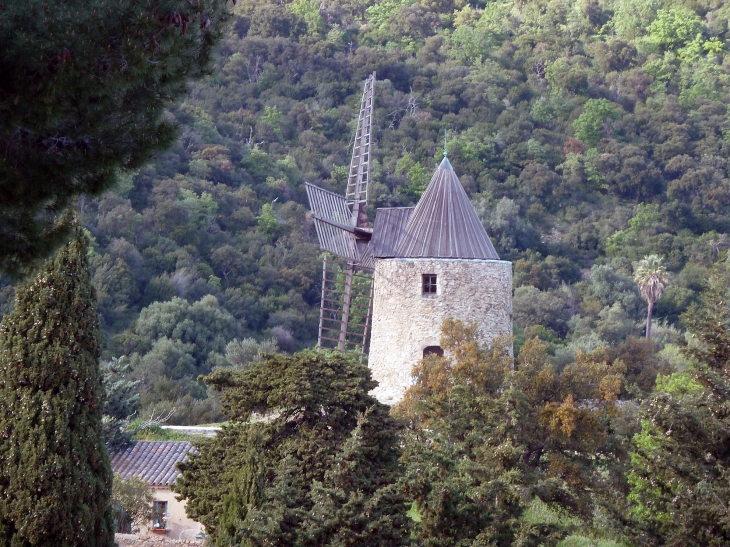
x=444, y=223
x=152, y=461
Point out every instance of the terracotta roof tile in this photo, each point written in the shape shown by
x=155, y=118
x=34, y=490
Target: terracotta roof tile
x=152, y=461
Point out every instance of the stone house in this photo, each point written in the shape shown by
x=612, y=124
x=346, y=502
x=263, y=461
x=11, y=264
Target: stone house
x=155, y=462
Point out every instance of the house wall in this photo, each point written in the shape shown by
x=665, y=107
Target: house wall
x=177, y=521
x=405, y=320
x=133, y=540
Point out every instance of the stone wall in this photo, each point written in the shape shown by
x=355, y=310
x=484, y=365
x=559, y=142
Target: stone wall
x=405, y=320
x=133, y=540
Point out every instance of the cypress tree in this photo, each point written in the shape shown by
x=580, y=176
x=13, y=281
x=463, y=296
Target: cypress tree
x=55, y=475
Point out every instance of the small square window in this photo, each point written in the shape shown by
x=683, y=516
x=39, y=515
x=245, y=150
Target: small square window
x=429, y=283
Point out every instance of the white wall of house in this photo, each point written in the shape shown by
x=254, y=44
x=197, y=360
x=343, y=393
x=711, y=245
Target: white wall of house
x=177, y=521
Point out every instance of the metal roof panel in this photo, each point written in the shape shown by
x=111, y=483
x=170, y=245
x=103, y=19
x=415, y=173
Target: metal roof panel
x=390, y=223
x=444, y=223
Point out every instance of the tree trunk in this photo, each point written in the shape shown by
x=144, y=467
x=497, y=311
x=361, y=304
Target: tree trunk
x=648, y=320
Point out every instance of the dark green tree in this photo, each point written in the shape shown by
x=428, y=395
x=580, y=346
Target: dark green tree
x=320, y=470
x=680, y=484
x=55, y=474
x=204, y=324
x=121, y=401
x=83, y=93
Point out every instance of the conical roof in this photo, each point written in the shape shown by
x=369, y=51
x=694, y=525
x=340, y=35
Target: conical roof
x=444, y=223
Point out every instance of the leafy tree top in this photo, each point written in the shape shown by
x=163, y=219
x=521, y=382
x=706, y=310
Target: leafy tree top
x=708, y=322
x=82, y=96
x=309, y=388
x=487, y=432
x=678, y=478
x=651, y=276
x=319, y=469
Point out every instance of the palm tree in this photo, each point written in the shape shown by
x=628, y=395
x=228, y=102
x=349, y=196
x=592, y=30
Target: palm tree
x=651, y=276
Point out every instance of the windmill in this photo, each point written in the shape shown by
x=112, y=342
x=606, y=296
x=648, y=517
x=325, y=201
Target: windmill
x=344, y=230
x=430, y=262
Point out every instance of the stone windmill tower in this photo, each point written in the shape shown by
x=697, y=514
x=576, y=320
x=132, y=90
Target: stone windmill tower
x=432, y=262
x=394, y=283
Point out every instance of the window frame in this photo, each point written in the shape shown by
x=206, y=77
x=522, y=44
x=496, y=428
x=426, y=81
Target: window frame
x=429, y=284
x=159, y=519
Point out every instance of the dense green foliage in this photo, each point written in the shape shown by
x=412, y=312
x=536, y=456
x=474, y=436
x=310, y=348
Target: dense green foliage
x=121, y=400
x=83, y=93
x=679, y=478
x=132, y=504
x=318, y=465
x=55, y=475
x=589, y=134
x=488, y=436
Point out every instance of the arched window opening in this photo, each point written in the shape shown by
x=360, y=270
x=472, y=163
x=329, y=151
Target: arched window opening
x=433, y=350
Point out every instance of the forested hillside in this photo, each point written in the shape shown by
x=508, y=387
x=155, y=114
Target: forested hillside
x=588, y=133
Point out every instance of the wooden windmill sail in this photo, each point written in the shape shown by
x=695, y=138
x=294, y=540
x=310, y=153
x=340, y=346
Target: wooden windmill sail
x=343, y=229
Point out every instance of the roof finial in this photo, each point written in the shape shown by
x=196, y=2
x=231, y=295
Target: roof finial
x=446, y=136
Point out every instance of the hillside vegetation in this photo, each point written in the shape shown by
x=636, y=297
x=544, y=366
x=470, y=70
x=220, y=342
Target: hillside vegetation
x=587, y=133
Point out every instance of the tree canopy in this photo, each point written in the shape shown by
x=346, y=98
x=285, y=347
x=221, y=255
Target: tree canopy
x=308, y=458
x=83, y=93
x=487, y=435
x=678, y=476
x=651, y=277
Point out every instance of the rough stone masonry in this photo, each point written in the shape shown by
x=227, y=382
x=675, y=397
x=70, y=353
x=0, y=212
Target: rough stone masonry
x=406, y=320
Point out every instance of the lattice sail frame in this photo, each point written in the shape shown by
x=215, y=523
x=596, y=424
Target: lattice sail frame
x=346, y=311
x=358, y=182
x=343, y=229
